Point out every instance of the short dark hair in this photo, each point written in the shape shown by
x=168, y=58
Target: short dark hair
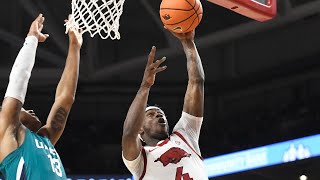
x=155, y=105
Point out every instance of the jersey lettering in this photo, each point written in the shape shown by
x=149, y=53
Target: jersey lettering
x=180, y=176
x=55, y=164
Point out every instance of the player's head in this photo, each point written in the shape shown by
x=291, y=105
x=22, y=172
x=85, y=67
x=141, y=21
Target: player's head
x=29, y=119
x=155, y=124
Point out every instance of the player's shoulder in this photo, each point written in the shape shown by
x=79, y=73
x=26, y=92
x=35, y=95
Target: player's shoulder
x=185, y=115
x=178, y=134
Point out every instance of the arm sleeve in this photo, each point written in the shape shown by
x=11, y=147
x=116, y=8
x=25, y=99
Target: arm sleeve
x=21, y=70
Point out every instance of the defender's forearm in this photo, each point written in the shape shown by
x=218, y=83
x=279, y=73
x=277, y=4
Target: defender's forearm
x=68, y=83
x=21, y=70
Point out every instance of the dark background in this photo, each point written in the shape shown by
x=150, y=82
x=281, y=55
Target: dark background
x=262, y=79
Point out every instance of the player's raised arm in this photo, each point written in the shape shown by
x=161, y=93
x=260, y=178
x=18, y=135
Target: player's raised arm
x=194, y=97
x=19, y=78
x=66, y=90
x=131, y=144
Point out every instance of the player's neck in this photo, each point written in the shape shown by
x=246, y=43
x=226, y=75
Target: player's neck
x=151, y=141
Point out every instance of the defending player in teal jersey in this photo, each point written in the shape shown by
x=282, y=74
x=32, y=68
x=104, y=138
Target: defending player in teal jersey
x=25, y=155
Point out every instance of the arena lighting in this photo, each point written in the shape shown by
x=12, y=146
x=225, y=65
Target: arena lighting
x=303, y=177
x=269, y=155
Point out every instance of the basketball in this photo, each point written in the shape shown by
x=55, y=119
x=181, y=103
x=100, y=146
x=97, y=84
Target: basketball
x=181, y=16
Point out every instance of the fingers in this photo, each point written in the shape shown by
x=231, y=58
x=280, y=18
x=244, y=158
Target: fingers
x=73, y=26
x=43, y=37
x=39, y=17
x=36, y=28
x=157, y=63
x=40, y=27
x=151, y=55
x=41, y=20
x=162, y=68
x=69, y=18
x=155, y=66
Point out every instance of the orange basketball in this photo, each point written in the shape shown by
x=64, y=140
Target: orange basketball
x=181, y=16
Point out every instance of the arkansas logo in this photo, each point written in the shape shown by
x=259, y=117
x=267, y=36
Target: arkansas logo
x=173, y=155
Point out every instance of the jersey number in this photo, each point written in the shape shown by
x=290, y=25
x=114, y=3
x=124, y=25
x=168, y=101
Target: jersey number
x=55, y=164
x=180, y=176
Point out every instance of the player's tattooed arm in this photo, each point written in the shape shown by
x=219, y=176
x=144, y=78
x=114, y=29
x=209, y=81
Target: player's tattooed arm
x=194, y=97
x=59, y=120
x=56, y=122
x=66, y=89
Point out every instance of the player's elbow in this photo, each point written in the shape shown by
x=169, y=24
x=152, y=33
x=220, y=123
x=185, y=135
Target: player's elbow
x=197, y=81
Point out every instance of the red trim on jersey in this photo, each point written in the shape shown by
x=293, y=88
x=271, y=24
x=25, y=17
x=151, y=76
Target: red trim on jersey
x=180, y=135
x=164, y=142
x=159, y=145
x=144, y=163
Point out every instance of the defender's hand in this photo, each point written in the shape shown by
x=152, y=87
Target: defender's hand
x=152, y=69
x=36, y=28
x=75, y=35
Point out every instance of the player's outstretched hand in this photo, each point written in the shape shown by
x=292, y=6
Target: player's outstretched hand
x=75, y=35
x=184, y=36
x=36, y=28
x=152, y=68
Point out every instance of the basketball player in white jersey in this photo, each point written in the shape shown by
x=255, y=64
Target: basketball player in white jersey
x=148, y=151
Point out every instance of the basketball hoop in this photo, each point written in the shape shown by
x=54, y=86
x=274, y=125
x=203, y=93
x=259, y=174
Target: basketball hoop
x=96, y=17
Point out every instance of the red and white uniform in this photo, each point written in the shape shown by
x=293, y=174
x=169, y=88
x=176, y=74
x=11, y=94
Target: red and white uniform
x=175, y=158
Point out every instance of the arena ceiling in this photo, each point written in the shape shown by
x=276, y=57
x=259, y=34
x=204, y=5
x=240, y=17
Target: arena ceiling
x=221, y=31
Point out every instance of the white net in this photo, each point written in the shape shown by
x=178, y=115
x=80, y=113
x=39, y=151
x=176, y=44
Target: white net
x=97, y=17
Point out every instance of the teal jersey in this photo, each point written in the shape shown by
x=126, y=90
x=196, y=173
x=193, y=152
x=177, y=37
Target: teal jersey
x=35, y=159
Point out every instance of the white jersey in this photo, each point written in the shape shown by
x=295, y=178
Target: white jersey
x=175, y=158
